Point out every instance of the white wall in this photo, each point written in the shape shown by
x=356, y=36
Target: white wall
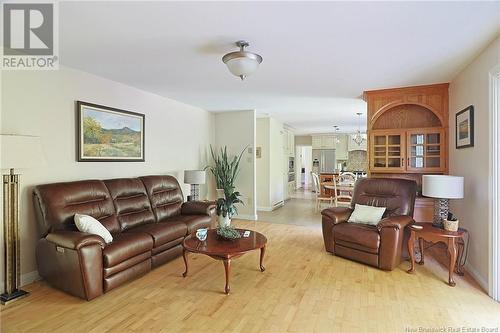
x=277, y=162
x=42, y=103
x=262, y=139
x=471, y=87
x=270, y=172
x=236, y=130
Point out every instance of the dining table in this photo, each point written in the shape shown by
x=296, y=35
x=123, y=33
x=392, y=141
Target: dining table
x=343, y=187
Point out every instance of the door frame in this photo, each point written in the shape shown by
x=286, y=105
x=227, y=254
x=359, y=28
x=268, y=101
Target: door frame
x=494, y=264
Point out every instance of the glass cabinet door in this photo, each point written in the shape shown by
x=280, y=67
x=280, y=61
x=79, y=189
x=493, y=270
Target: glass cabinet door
x=425, y=150
x=388, y=151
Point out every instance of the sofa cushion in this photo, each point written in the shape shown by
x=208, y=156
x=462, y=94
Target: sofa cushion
x=358, y=236
x=165, y=196
x=56, y=205
x=125, y=246
x=192, y=222
x=131, y=202
x=162, y=232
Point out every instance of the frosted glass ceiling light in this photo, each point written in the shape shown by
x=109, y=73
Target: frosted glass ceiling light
x=242, y=63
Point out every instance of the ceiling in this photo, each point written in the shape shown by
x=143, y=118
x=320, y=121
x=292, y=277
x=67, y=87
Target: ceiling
x=319, y=57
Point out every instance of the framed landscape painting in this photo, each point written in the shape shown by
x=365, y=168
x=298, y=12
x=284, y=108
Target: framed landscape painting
x=464, y=128
x=109, y=135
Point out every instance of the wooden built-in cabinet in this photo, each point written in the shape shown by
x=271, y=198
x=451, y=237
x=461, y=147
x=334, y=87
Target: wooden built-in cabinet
x=408, y=129
x=387, y=151
x=416, y=150
x=408, y=136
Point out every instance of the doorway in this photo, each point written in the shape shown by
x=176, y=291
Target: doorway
x=303, y=157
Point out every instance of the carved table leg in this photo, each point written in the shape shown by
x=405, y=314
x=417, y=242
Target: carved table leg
x=421, y=247
x=262, y=252
x=184, y=255
x=452, y=249
x=411, y=251
x=227, y=267
x=458, y=265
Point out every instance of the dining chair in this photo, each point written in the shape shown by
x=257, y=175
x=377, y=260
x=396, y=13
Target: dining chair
x=340, y=198
x=320, y=197
x=347, y=177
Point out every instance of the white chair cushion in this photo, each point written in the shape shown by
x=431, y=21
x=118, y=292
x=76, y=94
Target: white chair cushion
x=366, y=214
x=86, y=223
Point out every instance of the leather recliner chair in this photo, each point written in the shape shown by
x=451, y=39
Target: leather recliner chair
x=383, y=245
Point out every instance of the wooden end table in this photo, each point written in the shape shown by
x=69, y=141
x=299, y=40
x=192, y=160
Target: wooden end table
x=435, y=235
x=225, y=250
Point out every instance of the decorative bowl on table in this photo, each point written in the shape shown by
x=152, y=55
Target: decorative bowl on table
x=227, y=233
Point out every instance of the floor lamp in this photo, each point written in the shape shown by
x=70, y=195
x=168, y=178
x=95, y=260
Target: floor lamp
x=17, y=151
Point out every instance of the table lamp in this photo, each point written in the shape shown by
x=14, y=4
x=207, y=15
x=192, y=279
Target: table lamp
x=20, y=152
x=443, y=188
x=195, y=178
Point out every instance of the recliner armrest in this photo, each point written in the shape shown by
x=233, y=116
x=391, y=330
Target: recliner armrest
x=74, y=239
x=337, y=214
x=398, y=222
x=198, y=208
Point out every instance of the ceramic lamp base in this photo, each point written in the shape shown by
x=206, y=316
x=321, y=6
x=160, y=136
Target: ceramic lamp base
x=441, y=209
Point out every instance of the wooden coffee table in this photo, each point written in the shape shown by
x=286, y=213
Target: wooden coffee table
x=225, y=250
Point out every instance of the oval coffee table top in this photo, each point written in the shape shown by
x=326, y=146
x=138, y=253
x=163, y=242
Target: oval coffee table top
x=214, y=246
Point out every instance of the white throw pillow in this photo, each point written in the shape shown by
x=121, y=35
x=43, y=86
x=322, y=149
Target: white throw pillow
x=86, y=223
x=366, y=214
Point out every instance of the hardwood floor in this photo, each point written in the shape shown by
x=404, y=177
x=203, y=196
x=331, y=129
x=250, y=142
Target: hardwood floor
x=303, y=289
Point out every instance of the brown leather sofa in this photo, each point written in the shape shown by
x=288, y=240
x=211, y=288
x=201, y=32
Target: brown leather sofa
x=384, y=245
x=147, y=217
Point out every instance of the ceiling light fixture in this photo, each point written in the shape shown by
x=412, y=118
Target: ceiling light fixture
x=358, y=138
x=242, y=63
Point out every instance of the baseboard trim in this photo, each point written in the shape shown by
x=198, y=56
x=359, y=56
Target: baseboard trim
x=265, y=209
x=25, y=279
x=477, y=276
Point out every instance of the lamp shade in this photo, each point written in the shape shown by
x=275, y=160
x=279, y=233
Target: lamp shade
x=443, y=187
x=194, y=177
x=21, y=151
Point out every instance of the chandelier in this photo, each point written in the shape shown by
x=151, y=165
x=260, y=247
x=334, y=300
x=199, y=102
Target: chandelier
x=337, y=140
x=358, y=138
x=242, y=63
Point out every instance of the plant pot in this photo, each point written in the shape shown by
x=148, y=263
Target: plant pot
x=220, y=193
x=450, y=225
x=224, y=221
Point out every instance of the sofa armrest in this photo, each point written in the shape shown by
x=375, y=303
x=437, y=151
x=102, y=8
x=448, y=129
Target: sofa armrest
x=331, y=217
x=74, y=239
x=72, y=261
x=198, y=208
x=397, y=222
x=337, y=214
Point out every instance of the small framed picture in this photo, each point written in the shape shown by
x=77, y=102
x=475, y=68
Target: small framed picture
x=464, y=128
x=108, y=134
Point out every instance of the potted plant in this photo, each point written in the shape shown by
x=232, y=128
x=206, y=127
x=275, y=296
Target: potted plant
x=225, y=170
x=226, y=208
